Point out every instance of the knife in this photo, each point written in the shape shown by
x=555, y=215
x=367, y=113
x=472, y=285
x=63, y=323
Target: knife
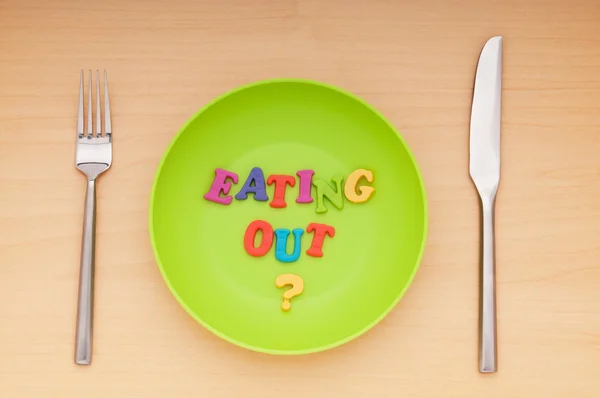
x=484, y=168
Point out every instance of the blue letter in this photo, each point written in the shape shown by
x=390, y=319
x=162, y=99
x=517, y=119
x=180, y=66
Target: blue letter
x=280, y=252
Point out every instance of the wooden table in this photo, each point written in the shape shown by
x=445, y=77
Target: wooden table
x=413, y=60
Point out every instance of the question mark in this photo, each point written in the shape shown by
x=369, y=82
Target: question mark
x=297, y=288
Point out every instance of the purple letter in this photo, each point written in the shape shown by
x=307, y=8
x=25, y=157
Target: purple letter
x=219, y=184
x=254, y=184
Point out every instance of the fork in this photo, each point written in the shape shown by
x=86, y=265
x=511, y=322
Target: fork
x=93, y=156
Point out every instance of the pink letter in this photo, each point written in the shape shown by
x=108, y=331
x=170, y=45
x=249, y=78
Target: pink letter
x=219, y=184
x=305, y=177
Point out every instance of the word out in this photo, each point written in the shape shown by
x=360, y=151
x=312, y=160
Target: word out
x=280, y=236
x=256, y=184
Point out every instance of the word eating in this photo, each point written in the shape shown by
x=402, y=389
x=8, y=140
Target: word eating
x=256, y=184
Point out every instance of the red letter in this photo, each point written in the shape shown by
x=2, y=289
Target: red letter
x=317, y=243
x=280, y=182
x=267, y=238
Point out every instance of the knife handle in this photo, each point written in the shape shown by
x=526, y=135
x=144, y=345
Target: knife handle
x=487, y=316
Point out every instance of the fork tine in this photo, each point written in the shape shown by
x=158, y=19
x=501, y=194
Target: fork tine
x=107, y=123
x=89, y=115
x=98, y=117
x=80, y=107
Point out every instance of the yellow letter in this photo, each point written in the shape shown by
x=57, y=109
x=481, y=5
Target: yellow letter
x=352, y=181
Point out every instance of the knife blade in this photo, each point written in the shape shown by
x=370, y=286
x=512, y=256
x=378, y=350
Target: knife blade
x=484, y=167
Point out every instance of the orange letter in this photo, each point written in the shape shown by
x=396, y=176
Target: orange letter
x=352, y=181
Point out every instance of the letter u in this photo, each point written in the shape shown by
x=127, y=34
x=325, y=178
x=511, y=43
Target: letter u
x=281, y=244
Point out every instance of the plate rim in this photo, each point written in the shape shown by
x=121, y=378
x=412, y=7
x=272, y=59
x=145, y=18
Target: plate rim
x=215, y=100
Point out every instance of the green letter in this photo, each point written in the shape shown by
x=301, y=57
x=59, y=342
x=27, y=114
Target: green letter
x=324, y=190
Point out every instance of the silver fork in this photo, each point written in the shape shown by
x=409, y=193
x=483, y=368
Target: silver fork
x=93, y=156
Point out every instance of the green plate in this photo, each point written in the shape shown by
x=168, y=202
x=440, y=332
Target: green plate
x=283, y=126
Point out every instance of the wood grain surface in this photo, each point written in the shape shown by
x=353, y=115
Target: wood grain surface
x=415, y=61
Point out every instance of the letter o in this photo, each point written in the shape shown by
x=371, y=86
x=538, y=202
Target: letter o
x=267, y=238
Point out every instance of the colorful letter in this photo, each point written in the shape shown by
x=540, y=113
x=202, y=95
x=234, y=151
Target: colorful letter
x=324, y=190
x=250, y=235
x=281, y=181
x=352, y=181
x=281, y=243
x=316, y=248
x=219, y=184
x=254, y=184
x=305, y=177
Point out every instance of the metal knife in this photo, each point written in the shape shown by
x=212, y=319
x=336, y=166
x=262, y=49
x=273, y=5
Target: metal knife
x=484, y=168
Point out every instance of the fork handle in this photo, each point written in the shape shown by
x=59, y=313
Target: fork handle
x=487, y=318
x=85, y=302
